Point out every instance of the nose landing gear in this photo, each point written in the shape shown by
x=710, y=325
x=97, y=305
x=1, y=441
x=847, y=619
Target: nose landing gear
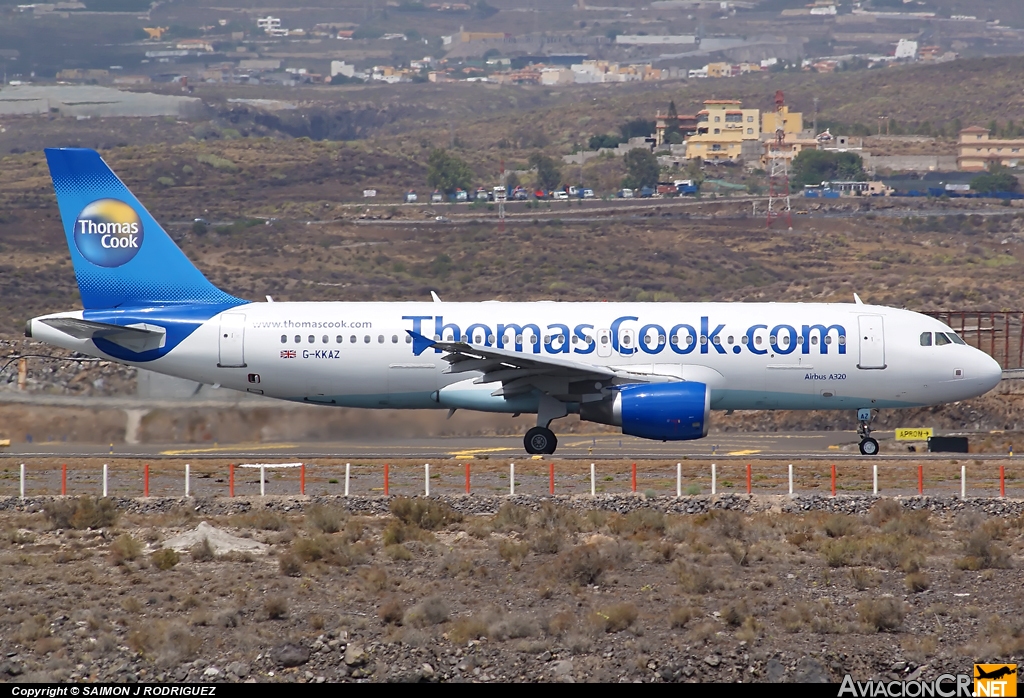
x=868, y=446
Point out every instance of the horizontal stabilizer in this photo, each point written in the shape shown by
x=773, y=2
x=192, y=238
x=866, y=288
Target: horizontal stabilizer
x=138, y=338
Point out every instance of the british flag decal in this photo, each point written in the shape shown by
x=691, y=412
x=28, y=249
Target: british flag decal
x=288, y=354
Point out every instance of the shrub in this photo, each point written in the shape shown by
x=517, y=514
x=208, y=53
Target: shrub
x=679, y=616
x=694, y=579
x=430, y=611
x=863, y=578
x=326, y=519
x=839, y=525
x=511, y=517
x=885, y=510
x=465, y=629
x=428, y=514
x=289, y=565
x=264, y=520
x=165, y=558
x=615, y=618
x=547, y=543
x=169, y=643
x=202, y=551
x=917, y=582
x=398, y=532
x=398, y=552
x=513, y=552
x=391, y=612
x=637, y=522
x=124, y=549
x=328, y=549
x=982, y=552
x=217, y=162
x=881, y=614
x=84, y=512
x=276, y=607
x=583, y=564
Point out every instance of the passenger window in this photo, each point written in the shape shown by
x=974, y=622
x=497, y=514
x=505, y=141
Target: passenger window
x=312, y=339
x=604, y=339
x=717, y=340
x=703, y=340
x=394, y=339
x=941, y=339
x=625, y=340
x=339, y=339
x=828, y=339
x=744, y=339
x=661, y=339
x=352, y=339
x=757, y=341
x=926, y=339
x=575, y=339
x=380, y=339
x=814, y=339
x=490, y=338
x=284, y=339
x=450, y=338
x=773, y=340
x=956, y=338
x=298, y=339
x=366, y=339
x=689, y=339
x=842, y=340
x=674, y=340
x=730, y=339
x=408, y=339
x=325, y=339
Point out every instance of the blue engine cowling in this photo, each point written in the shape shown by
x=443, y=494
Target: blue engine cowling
x=664, y=411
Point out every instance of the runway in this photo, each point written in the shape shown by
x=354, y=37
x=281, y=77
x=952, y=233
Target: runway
x=724, y=446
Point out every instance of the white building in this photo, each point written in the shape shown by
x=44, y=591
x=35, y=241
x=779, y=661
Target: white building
x=556, y=76
x=906, y=49
x=268, y=23
x=342, y=68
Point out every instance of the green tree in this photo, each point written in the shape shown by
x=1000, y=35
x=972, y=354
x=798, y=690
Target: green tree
x=816, y=166
x=636, y=128
x=603, y=140
x=549, y=176
x=447, y=172
x=997, y=179
x=641, y=169
x=672, y=124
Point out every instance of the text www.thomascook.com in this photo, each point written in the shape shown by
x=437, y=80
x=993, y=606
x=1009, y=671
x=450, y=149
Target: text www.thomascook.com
x=313, y=325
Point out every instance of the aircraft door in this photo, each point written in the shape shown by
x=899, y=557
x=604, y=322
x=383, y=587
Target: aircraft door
x=232, y=341
x=872, y=342
x=604, y=342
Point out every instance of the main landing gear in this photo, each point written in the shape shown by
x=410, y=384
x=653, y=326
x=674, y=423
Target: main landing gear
x=540, y=439
x=868, y=446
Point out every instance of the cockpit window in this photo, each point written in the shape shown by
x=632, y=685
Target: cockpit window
x=956, y=338
x=941, y=338
x=926, y=339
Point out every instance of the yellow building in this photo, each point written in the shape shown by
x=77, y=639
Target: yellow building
x=978, y=150
x=792, y=122
x=722, y=127
x=719, y=70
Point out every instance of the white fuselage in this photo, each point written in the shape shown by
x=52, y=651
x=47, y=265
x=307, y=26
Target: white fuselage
x=751, y=356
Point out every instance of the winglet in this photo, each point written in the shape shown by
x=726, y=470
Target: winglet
x=419, y=343
x=437, y=298
x=857, y=300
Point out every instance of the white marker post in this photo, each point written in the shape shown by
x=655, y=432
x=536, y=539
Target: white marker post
x=790, y=479
x=22, y=488
x=348, y=467
x=263, y=481
x=963, y=482
x=874, y=480
x=714, y=477
x=188, y=472
x=426, y=479
x=104, y=479
x=593, y=481
x=511, y=479
x=679, y=480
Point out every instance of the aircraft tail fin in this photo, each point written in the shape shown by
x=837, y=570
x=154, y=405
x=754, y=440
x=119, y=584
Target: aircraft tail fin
x=122, y=257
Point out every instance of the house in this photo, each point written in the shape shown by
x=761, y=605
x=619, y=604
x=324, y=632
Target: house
x=977, y=150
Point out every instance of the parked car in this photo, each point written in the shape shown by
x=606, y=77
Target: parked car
x=520, y=194
x=560, y=195
x=481, y=194
x=459, y=195
x=437, y=197
x=625, y=194
x=410, y=197
x=646, y=193
x=587, y=194
x=540, y=194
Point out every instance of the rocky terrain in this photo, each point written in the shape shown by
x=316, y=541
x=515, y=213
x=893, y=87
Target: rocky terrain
x=616, y=588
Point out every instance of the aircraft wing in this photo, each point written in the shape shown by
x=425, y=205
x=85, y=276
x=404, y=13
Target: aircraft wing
x=518, y=373
x=137, y=338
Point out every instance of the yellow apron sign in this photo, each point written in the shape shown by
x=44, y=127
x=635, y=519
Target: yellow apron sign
x=914, y=434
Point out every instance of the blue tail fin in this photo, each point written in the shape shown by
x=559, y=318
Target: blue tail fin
x=122, y=256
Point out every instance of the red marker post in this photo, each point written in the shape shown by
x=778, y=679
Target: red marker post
x=386, y=479
x=748, y=479
x=1002, y=482
x=551, y=478
x=64, y=480
x=302, y=478
x=467, y=478
x=145, y=480
x=920, y=479
x=231, y=479
x=634, y=477
x=833, y=479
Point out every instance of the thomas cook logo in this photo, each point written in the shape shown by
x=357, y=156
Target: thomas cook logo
x=995, y=680
x=108, y=233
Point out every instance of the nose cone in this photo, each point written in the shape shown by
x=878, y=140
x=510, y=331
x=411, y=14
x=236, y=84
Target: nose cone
x=988, y=371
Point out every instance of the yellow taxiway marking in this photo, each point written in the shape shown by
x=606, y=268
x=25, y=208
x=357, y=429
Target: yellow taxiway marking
x=219, y=449
x=748, y=452
x=472, y=452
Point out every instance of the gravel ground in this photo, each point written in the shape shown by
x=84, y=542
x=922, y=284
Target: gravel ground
x=497, y=588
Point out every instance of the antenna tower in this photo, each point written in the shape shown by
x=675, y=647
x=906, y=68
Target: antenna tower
x=778, y=169
x=500, y=196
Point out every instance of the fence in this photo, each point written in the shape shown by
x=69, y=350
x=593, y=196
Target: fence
x=1000, y=335
x=534, y=478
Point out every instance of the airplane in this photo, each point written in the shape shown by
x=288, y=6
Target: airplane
x=999, y=673
x=655, y=370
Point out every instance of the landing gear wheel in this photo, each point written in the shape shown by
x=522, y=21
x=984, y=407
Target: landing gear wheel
x=869, y=447
x=540, y=440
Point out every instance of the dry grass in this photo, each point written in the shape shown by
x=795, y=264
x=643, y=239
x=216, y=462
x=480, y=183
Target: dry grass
x=165, y=558
x=885, y=613
x=513, y=552
x=276, y=607
x=427, y=514
x=124, y=549
x=326, y=519
x=614, y=618
x=81, y=513
x=430, y=611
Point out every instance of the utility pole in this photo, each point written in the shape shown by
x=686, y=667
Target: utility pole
x=815, y=117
